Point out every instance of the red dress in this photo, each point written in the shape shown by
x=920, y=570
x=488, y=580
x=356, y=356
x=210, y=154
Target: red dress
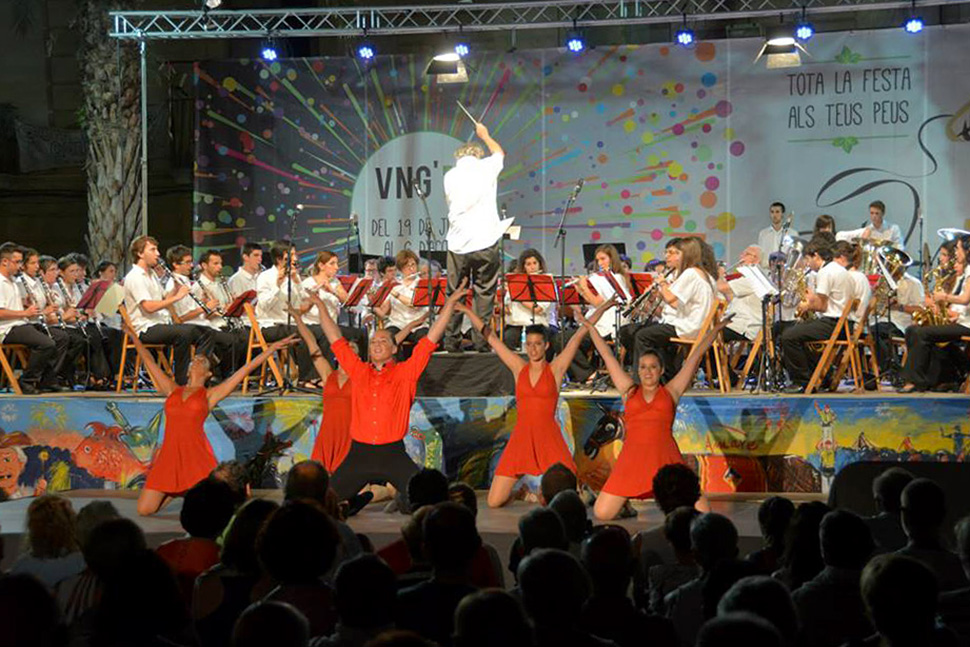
x=536, y=442
x=333, y=439
x=649, y=445
x=185, y=457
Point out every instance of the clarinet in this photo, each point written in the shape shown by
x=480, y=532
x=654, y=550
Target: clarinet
x=232, y=322
x=169, y=275
x=28, y=300
x=49, y=295
x=67, y=302
x=219, y=311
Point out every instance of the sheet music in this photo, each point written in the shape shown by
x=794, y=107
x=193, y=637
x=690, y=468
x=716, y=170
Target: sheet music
x=760, y=283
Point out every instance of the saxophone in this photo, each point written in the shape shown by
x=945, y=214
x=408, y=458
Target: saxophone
x=943, y=278
x=796, y=288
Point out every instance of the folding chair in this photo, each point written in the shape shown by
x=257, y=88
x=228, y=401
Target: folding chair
x=720, y=357
x=256, y=340
x=163, y=358
x=828, y=347
x=10, y=353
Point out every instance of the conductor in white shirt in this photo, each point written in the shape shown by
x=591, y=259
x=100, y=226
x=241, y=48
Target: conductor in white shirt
x=474, y=230
x=770, y=238
x=877, y=231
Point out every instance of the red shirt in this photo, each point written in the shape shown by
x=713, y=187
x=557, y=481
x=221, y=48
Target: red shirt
x=381, y=399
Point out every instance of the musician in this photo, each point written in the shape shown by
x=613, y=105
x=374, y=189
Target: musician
x=36, y=291
x=824, y=224
x=909, y=297
x=521, y=314
x=48, y=273
x=95, y=344
x=686, y=302
x=245, y=277
x=274, y=287
x=399, y=308
x=148, y=306
x=861, y=288
x=922, y=370
x=324, y=282
x=832, y=289
x=742, y=300
x=16, y=328
x=878, y=230
x=229, y=337
x=770, y=238
x=607, y=261
x=474, y=230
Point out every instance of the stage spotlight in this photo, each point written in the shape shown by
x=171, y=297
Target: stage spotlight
x=575, y=43
x=213, y=4
x=913, y=25
x=447, y=67
x=366, y=51
x=269, y=53
x=462, y=49
x=804, y=31
x=781, y=49
x=685, y=37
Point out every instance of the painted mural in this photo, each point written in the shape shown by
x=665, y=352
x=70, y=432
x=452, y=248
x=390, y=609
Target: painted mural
x=743, y=444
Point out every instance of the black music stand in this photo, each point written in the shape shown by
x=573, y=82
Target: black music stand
x=430, y=294
x=536, y=288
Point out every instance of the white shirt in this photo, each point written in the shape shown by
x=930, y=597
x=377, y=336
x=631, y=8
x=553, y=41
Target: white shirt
x=746, y=308
x=312, y=316
x=606, y=326
x=143, y=285
x=695, y=298
x=909, y=292
x=213, y=290
x=888, y=233
x=862, y=291
x=769, y=240
x=470, y=191
x=833, y=281
x=187, y=305
x=520, y=315
x=9, y=300
x=242, y=281
x=402, y=314
x=271, y=303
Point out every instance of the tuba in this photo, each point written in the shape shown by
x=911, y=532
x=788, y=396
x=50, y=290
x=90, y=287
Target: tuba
x=890, y=259
x=943, y=278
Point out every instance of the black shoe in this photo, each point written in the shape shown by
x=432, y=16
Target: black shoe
x=29, y=388
x=793, y=389
x=53, y=388
x=357, y=503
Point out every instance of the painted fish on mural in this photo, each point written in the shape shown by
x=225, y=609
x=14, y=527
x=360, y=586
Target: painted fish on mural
x=104, y=455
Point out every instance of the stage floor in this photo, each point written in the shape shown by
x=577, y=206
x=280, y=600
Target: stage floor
x=498, y=527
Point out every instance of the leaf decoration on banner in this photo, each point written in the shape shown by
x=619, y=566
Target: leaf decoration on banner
x=845, y=143
x=847, y=56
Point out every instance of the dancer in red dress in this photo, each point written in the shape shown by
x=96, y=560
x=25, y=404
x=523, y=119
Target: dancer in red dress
x=648, y=417
x=536, y=442
x=186, y=457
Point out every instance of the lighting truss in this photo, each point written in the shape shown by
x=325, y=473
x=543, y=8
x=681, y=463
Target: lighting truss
x=501, y=16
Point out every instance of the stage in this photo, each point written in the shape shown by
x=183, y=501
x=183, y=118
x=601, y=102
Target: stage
x=738, y=443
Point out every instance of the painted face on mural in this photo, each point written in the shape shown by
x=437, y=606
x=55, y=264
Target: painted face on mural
x=11, y=467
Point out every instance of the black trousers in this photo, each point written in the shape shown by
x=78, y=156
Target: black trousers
x=884, y=331
x=405, y=348
x=920, y=368
x=45, y=353
x=77, y=346
x=300, y=350
x=657, y=337
x=799, y=359
x=62, y=340
x=366, y=464
x=481, y=268
x=229, y=347
x=181, y=337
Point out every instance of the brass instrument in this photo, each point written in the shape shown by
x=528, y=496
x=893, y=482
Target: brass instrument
x=798, y=289
x=891, y=260
x=647, y=301
x=943, y=277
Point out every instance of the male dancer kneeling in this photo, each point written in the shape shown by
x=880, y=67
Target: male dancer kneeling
x=382, y=392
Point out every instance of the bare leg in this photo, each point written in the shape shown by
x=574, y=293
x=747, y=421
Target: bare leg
x=151, y=501
x=607, y=506
x=501, y=491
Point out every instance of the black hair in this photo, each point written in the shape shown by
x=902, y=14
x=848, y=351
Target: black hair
x=656, y=353
x=887, y=488
x=233, y=474
x=280, y=250
x=365, y=592
x=249, y=247
x=526, y=255
x=307, y=480
x=209, y=253
x=384, y=263
x=538, y=329
x=878, y=204
x=845, y=540
x=298, y=543
x=177, y=253
x=555, y=479
x=427, y=487
x=778, y=204
x=8, y=249
x=103, y=267
x=207, y=508
x=676, y=485
x=826, y=221
x=820, y=246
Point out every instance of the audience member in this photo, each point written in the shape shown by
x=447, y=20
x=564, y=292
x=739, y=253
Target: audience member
x=431, y=488
x=923, y=514
x=310, y=480
x=887, y=526
x=664, y=578
x=30, y=614
x=450, y=544
x=427, y=487
x=766, y=598
x=491, y=618
x=487, y=569
x=609, y=612
x=271, y=623
x=674, y=486
x=557, y=478
x=554, y=589
x=233, y=474
x=736, y=629
x=538, y=528
x=714, y=540
x=398, y=638
x=572, y=511
x=52, y=553
x=225, y=590
x=364, y=592
x=774, y=515
x=78, y=593
x=830, y=604
x=297, y=547
x=412, y=533
x=206, y=510
x=802, y=559
x=900, y=595
x=955, y=605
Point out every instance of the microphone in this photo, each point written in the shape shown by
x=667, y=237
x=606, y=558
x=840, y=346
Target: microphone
x=579, y=187
x=417, y=188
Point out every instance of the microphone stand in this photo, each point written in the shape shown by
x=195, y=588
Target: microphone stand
x=561, y=238
x=360, y=259
x=429, y=234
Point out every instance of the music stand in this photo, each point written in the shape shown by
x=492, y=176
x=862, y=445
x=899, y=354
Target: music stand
x=641, y=282
x=765, y=290
x=536, y=288
x=235, y=309
x=430, y=294
x=347, y=281
x=382, y=293
x=93, y=295
x=357, y=291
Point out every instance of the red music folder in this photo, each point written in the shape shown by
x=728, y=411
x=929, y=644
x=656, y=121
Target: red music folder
x=538, y=288
x=382, y=292
x=235, y=309
x=428, y=287
x=641, y=282
x=357, y=292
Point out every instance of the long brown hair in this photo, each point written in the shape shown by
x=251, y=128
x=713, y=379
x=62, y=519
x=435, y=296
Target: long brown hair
x=615, y=265
x=691, y=254
x=323, y=257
